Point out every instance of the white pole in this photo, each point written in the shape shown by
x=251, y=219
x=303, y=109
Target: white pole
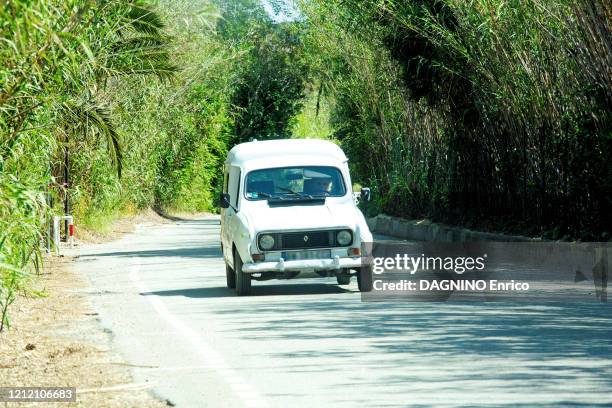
x=56, y=234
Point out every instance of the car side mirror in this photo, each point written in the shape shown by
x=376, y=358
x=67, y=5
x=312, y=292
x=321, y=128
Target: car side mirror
x=225, y=200
x=366, y=194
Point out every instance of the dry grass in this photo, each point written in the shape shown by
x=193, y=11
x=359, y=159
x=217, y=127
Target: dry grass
x=119, y=227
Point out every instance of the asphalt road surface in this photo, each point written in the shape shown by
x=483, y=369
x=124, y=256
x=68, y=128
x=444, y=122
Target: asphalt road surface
x=311, y=343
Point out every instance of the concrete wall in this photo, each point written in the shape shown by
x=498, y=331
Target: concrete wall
x=425, y=230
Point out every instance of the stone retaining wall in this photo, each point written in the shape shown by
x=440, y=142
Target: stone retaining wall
x=425, y=230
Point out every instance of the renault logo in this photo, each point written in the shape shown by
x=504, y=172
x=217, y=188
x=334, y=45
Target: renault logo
x=305, y=238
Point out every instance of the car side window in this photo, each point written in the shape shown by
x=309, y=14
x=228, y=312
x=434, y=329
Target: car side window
x=225, y=181
x=234, y=198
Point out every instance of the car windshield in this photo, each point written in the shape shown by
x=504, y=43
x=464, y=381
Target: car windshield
x=294, y=182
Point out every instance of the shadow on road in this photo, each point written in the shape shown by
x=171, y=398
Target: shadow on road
x=189, y=252
x=264, y=290
x=551, y=345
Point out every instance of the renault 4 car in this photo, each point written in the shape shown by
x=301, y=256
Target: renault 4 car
x=288, y=211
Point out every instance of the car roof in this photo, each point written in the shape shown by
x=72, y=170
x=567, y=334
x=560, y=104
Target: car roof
x=281, y=150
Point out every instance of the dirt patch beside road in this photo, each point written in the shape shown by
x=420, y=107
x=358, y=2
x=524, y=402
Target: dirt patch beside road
x=118, y=228
x=127, y=224
x=56, y=341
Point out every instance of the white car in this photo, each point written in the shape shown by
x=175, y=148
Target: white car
x=288, y=211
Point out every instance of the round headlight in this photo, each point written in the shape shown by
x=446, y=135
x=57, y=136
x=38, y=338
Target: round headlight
x=266, y=242
x=344, y=238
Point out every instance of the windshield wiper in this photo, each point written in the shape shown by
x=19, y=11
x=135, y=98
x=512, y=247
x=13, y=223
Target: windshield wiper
x=322, y=194
x=261, y=194
x=290, y=191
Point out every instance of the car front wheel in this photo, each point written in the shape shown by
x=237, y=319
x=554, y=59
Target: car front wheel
x=364, y=279
x=243, y=280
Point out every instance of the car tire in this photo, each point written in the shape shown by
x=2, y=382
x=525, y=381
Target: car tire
x=243, y=280
x=343, y=279
x=364, y=279
x=230, y=277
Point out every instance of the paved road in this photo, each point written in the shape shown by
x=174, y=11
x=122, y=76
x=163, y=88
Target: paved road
x=310, y=343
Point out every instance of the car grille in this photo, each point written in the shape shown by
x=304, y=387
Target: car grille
x=304, y=240
x=308, y=239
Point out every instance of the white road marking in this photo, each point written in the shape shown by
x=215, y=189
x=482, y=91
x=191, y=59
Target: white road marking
x=120, y=387
x=248, y=395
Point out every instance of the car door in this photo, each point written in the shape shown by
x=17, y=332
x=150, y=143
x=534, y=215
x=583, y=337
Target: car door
x=224, y=215
x=229, y=218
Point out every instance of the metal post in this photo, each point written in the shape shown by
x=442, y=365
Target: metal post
x=70, y=231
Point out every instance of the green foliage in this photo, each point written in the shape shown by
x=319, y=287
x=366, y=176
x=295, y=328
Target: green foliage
x=492, y=113
x=239, y=20
x=63, y=63
x=271, y=85
x=21, y=213
x=313, y=120
x=270, y=74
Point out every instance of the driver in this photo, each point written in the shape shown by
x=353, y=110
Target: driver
x=318, y=185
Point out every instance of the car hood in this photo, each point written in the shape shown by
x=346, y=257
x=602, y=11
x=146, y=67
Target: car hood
x=301, y=217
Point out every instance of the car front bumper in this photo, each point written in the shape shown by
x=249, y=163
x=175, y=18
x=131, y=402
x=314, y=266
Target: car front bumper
x=302, y=265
